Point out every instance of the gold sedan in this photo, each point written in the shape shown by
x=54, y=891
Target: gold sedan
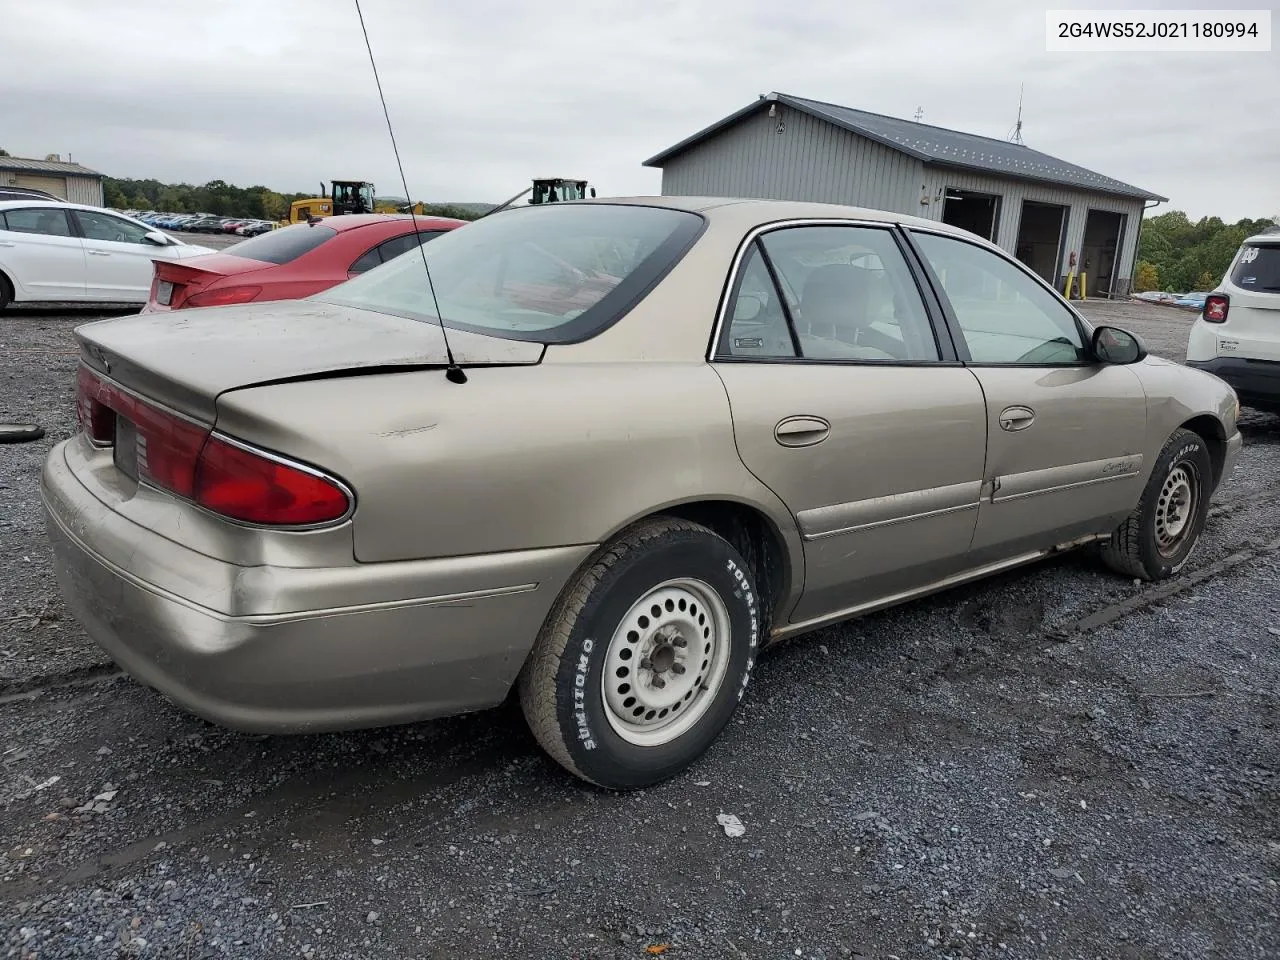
x=602, y=453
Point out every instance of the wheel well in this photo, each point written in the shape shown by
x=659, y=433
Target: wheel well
x=7, y=285
x=1214, y=437
x=755, y=537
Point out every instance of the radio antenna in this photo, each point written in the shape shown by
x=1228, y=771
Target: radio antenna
x=453, y=372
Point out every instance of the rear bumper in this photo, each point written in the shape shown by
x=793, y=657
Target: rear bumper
x=1256, y=382
x=409, y=641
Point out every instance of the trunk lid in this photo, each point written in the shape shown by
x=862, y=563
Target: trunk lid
x=185, y=360
x=175, y=281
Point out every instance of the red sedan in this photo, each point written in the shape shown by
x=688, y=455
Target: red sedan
x=291, y=262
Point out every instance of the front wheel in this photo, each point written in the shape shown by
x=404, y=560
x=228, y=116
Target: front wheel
x=644, y=657
x=1163, y=531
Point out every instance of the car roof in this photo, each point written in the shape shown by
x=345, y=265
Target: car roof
x=1271, y=237
x=351, y=221
x=750, y=210
x=61, y=205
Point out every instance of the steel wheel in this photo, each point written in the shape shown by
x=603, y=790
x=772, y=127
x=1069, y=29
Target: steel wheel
x=666, y=662
x=1176, y=506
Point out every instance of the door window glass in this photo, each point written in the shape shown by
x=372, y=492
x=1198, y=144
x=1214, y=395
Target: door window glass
x=847, y=291
x=1005, y=315
x=51, y=223
x=757, y=319
x=103, y=226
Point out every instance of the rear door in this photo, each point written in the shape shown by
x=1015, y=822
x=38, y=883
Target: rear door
x=849, y=407
x=1064, y=433
x=40, y=252
x=117, y=257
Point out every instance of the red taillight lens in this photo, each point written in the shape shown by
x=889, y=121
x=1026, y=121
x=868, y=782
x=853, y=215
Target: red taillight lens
x=168, y=448
x=93, y=414
x=246, y=485
x=184, y=458
x=1215, y=308
x=222, y=297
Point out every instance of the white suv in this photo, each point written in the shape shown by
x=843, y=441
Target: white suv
x=1238, y=334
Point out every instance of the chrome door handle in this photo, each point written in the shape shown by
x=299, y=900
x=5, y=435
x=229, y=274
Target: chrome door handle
x=801, y=431
x=1016, y=418
x=99, y=253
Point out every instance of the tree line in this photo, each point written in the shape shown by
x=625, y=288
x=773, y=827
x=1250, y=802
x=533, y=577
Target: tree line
x=223, y=199
x=1178, y=256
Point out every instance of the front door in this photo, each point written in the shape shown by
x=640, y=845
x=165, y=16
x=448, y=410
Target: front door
x=41, y=253
x=844, y=405
x=1064, y=433
x=117, y=257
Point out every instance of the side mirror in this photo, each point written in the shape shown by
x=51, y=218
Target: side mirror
x=1113, y=345
x=158, y=238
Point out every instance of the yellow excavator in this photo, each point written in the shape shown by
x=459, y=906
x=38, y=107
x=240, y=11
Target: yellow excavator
x=344, y=196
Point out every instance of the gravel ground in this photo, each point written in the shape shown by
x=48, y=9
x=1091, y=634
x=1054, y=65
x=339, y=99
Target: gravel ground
x=1047, y=764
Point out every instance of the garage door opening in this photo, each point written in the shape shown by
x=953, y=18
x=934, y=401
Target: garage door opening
x=975, y=212
x=1041, y=233
x=1103, y=234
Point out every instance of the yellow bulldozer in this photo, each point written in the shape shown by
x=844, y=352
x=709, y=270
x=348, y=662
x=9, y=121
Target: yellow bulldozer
x=344, y=196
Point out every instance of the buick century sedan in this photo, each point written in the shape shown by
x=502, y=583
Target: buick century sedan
x=597, y=456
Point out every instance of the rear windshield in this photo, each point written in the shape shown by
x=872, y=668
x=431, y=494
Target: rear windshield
x=283, y=245
x=1258, y=267
x=552, y=274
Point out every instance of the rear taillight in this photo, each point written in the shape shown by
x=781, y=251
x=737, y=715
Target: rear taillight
x=222, y=475
x=94, y=416
x=1215, y=308
x=246, y=485
x=222, y=297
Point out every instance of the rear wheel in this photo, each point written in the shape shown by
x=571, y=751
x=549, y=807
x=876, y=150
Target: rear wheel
x=645, y=656
x=1163, y=531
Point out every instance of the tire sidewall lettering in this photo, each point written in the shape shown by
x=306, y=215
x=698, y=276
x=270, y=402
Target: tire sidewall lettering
x=586, y=736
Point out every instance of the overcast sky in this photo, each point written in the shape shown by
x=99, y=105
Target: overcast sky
x=486, y=94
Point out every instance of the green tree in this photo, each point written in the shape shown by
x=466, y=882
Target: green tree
x=1146, y=277
x=5, y=153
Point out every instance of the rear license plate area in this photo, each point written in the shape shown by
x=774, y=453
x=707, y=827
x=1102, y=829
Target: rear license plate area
x=164, y=293
x=125, y=450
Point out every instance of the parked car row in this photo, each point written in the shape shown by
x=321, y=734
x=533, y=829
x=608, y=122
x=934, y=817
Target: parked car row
x=1189, y=301
x=203, y=222
x=53, y=251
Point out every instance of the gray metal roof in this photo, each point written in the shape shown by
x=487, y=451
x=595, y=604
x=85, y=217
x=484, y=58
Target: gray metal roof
x=933, y=145
x=23, y=165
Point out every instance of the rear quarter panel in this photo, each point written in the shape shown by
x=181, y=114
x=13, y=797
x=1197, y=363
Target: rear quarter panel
x=516, y=458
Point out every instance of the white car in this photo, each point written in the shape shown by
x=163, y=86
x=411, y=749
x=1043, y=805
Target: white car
x=55, y=251
x=1237, y=336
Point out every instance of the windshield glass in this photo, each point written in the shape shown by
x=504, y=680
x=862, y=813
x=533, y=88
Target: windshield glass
x=552, y=274
x=1258, y=268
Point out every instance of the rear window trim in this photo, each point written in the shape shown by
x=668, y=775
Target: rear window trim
x=602, y=314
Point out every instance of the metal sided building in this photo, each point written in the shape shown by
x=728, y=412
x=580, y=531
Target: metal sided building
x=70, y=181
x=1037, y=207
